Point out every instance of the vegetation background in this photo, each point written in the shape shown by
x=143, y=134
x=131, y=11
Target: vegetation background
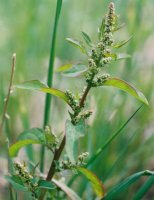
x=26, y=28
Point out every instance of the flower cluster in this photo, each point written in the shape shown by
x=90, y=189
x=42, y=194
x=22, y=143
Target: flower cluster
x=67, y=164
x=27, y=178
x=100, y=80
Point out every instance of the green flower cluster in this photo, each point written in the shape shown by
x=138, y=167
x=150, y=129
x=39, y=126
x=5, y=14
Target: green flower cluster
x=99, y=56
x=27, y=178
x=67, y=164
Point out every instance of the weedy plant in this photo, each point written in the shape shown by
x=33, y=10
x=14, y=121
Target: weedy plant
x=99, y=55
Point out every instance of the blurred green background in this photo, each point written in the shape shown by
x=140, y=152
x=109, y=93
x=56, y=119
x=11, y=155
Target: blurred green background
x=26, y=29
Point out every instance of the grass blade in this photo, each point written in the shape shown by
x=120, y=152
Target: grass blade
x=105, y=145
x=142, y=191
x=50, y=76
x=126, y=183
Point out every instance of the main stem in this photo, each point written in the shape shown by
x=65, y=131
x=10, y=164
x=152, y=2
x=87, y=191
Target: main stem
x=50, y=78
x=59, y=151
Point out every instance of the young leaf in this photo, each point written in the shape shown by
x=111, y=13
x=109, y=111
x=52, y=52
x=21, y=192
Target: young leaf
x=95, y=182
x=13, y=150
x=87, y=39
x=43, y=184
x=16, y=182
x=126, y=183
x=122, y=43
x=68, y=191
x=123, y=85
x=37, y=85
x=73, y=133
x=76, y=44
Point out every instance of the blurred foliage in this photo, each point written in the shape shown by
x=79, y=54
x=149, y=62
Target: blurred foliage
x=26, y=28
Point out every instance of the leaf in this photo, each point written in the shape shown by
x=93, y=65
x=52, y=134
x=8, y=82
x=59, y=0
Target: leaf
x=43, y=184
x=73, y=133
x=64, y=68
x=144, y=189
x=37, y=85
x=70, y=193
x=119, y=27
x=16, y=182
x=72, y=70
x=121, y=56
x=13, y=150
x=126, y=183
x=123, y=85
x=77, y=44
x=122, y=43
x=95, y=182
x=75, y=70
x=87, y=39
x=117, y=56
x=33, y=134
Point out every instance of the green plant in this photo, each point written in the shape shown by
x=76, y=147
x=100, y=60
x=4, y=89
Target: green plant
x=99, y=56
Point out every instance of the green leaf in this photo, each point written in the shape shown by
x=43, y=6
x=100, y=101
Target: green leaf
x=13, y=150
x=122, y=43
x=117, y=56
x=101, y=29
x=95, y=182
x=119, y=27
x=37, y=85
x=43, y=184
x=87, y=39
x=77, y=44
x=64, y=68
x=36, y=134
x=123, y=85
x=73, y=133
x=75, y=70
x=126, y=183
x=16, y=182
x=121, y=56
x=68, y=191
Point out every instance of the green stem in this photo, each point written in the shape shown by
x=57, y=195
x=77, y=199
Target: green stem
x=50, y=77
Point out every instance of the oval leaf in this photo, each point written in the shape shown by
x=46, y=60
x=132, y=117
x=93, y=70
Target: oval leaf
x=69, y=192
x=13, y=150
x=95, y=182
x=33, y=134
x=43, y=184
x=37, y=85
x=16, y=182
x=123, y=85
